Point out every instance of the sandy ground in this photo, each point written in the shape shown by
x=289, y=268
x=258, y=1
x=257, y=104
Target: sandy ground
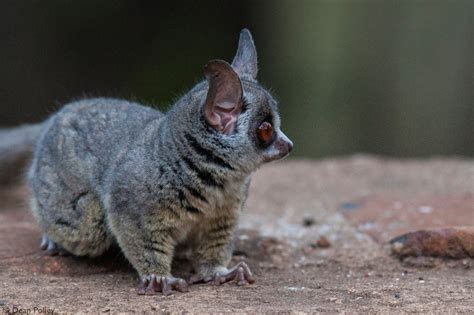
x=356, y=203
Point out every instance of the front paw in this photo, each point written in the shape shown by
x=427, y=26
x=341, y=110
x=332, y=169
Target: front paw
x=240, y=273
x=150, y=285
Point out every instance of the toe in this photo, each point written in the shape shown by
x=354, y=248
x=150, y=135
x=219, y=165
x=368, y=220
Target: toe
x=181, y=286
x=165, y=286
x=44, y=242
x=240, y=273
x=153, y=286
x=240, y=277
x=143, y=286
x=150, y=285
x=52, y=248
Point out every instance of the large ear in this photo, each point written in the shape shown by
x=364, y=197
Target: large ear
x=224, y=97
x=245, y=60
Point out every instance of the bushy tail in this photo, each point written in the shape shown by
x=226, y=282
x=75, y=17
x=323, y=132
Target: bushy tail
x=16, y=148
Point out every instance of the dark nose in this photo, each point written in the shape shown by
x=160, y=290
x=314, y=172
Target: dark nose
x=290, y=146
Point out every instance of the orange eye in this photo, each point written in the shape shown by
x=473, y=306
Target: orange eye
x=265, y=131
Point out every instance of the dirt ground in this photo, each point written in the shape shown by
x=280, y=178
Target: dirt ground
x=315, y=233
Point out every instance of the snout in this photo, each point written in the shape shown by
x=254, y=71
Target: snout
x=280, y=149
x=284, y=145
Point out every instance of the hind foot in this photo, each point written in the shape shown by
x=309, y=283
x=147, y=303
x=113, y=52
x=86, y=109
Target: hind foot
x=51, y=248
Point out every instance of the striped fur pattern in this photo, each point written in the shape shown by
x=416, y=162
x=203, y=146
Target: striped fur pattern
x=107, y=170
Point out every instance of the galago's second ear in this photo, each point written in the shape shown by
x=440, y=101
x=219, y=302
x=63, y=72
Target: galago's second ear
x=245, y=60
x=224, y=97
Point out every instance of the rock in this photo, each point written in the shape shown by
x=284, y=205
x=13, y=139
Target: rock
x=323, y=242
x=454, y=242
x=309, y=221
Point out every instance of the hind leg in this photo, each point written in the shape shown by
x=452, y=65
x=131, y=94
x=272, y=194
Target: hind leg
x=62, y=179
x=73, y=223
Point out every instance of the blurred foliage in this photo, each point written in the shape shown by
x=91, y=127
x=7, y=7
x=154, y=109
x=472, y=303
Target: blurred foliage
x=385, y=77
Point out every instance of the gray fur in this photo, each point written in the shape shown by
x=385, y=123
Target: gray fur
x=107, y=169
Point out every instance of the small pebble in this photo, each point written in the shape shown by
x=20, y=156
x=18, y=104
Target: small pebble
x=323, y=242
x=295, y=289
x=308, y=221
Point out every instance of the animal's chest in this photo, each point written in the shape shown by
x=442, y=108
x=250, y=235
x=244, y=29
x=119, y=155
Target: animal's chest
x=224, y=205
x=225, y=200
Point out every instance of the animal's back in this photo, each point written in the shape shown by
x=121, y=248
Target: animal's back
x=85, y=137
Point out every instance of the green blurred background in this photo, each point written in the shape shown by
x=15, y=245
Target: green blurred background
x=384, y=77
